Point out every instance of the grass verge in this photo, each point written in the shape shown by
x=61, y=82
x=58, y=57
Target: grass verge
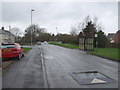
x=72, y=46
x=110, y=53
x=26, y=49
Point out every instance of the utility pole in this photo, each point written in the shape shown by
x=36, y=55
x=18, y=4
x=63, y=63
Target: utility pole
x=31, y=25
x=56, y=33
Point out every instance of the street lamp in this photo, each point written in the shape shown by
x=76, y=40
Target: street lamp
x=31, y=25
x=56, y=33
x=31, y=15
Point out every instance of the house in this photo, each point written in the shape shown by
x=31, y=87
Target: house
x=110, y=37
x=6, y=36
x=114, y=39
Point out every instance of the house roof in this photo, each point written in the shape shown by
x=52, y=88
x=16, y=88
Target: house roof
x=118, y=31
x=5, y=32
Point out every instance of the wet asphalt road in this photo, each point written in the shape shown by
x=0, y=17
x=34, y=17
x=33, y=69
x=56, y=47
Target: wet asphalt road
x=51, y=68
x=60, y=62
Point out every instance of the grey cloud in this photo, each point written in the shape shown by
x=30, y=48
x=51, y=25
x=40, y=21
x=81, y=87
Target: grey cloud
x=119, y=15
x=52, y=14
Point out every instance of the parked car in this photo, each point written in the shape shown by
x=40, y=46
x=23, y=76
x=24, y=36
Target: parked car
x=45, y=42
x=12, y=50
x=38, y=43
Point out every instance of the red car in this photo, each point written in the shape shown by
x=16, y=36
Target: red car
x=12, y=50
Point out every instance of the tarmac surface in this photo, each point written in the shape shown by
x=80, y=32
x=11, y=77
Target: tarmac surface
x=50, y=66
x=25, y=73
x=61, y=62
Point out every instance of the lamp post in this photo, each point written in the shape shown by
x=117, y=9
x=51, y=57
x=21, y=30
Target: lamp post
x=31, y=24
x=56, y=33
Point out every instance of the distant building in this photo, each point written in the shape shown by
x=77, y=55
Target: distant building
x=6, y=36
x=110, y=37
x=114, y=39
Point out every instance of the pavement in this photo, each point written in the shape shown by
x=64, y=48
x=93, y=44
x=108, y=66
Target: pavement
x=25, y=73
x=6, y=64
x=0, y=78
x=50, y=66
x=0, y=73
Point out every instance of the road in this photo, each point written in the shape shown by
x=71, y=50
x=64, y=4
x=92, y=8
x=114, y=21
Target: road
x=60, y=62
x=50, y=66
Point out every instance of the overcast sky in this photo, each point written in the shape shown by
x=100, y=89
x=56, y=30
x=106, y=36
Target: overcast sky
x=63, y=15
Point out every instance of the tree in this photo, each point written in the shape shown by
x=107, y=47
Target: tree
x=35, y=32
x=90, y=29
x=52, y=37
x=102, y=39
x=17, y=32
x=80, y=35
x=74, y=30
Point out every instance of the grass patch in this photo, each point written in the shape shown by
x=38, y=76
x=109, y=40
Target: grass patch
x=111, y=53
x=26, y=49
x=72, y=46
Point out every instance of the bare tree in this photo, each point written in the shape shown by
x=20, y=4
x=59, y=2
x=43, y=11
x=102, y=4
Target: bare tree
x=87, y=19
x=74, y=30
x=17, y=32
x=100, y=26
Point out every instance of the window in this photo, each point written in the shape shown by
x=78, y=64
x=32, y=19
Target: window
x=19, y=46
x=8, y=46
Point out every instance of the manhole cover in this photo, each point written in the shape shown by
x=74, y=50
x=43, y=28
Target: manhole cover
x=91, y=77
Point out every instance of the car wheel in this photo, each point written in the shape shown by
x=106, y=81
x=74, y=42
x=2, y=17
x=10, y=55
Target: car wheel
x=3, y=59
x=19, y=57
x=23, y=55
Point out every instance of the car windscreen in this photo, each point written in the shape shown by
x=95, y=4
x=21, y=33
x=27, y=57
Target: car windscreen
x=8, y=46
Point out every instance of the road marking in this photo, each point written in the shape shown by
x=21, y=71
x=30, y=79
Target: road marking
x=95, y=80
x=48, y=57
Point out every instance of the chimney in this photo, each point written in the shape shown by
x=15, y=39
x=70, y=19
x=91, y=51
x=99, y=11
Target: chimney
x=2, y=28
